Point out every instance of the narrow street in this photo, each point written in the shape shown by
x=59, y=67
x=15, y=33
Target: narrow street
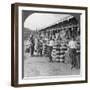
x=40, y=66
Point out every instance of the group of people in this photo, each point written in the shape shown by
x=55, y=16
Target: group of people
x=57, y=49
x=35, y=46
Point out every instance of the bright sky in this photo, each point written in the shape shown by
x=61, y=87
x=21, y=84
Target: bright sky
x=38, y=21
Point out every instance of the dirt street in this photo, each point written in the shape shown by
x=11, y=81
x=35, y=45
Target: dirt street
x=40, y=66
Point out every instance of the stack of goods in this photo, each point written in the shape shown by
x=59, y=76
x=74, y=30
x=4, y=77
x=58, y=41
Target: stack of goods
x=78, y=48
x=44, y=49
x=58, y=52
x=55, y=52
x=63, y=50
x=57, y=58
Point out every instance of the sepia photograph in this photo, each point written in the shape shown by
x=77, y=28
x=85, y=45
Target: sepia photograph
x=51, y=44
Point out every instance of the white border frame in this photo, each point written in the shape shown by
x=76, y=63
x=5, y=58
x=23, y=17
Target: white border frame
x=55, y=79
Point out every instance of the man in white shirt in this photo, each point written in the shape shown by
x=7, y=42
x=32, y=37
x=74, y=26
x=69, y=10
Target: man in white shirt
x=51, y=42
x=72, y=46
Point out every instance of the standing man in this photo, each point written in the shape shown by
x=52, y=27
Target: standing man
x=72, y=47
x=40, y=46
x=51, y=43
x=32, y=44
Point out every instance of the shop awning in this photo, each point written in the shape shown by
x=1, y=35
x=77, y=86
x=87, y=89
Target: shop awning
x=38, y=21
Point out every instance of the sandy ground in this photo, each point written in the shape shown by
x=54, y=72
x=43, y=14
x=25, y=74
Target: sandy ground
x=40, y=66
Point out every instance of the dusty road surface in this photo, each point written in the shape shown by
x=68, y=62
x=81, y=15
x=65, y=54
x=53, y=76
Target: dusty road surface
x=40, y=66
